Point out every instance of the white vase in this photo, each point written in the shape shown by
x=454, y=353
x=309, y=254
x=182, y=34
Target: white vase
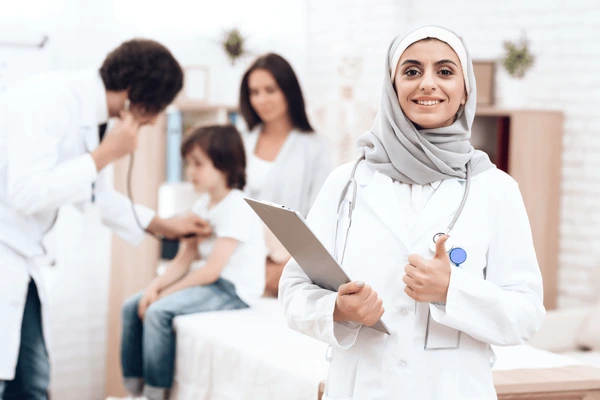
x=511, y=92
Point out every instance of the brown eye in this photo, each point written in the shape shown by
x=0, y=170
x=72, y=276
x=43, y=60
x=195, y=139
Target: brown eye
x=411, y=72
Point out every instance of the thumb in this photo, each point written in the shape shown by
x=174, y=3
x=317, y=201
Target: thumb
x=440, y=247
x=351, y=287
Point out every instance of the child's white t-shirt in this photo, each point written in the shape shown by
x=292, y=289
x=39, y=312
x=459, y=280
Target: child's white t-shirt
x=233, y=218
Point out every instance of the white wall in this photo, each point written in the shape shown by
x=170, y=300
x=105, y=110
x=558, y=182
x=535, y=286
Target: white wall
x=337, y=47
x=81, y=34
x=563, y=35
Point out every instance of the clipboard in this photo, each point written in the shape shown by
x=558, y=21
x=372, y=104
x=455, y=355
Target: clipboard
x=316, y=261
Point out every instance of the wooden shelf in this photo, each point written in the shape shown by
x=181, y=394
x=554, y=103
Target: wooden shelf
x=527, y=144
x=488, y=111
x=199, y=106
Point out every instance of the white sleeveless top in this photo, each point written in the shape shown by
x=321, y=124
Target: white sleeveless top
x=257, y=172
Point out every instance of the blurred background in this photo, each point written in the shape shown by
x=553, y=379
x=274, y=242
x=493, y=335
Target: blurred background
x=543, y=126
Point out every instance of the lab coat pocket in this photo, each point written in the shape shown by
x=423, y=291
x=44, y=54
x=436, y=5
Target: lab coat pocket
x=439, y=336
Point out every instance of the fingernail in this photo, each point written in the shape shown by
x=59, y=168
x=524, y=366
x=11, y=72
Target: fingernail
x=360, y=284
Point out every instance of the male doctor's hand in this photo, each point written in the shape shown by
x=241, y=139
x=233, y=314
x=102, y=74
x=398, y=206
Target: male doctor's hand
x=428, y=280
x=358, y=302
x=180, y=226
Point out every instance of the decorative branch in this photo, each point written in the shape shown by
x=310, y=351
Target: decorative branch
x=234, y=44
x=518, y=59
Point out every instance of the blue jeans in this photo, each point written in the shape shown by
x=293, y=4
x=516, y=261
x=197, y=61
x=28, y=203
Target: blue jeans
x=32, y=375
x=148, y=346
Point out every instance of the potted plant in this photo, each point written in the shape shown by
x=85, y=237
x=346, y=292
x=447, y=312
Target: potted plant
x=517, y=59
x=234, y=44
x=516, y=62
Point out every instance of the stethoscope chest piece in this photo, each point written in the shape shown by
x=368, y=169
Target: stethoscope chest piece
x=458, y=255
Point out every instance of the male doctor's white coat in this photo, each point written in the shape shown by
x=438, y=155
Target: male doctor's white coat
x=48, y=127
x=494, y=298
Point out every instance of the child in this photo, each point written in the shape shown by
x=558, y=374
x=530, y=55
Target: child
x=222, y=272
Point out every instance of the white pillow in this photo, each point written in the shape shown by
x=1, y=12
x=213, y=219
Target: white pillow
x=588, y=335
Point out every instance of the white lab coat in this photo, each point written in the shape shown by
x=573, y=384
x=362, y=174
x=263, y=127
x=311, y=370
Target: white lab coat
x=506, y=308
x=48, y=126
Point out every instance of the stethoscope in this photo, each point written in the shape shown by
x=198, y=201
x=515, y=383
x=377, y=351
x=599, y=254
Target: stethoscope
x=129, y=192
x=457, y=255
x=157, y=236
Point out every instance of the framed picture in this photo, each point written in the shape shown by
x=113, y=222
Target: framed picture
x=195, y=84
x=484, y=75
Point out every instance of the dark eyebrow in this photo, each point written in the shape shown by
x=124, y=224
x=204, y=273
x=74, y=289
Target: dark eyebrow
x=413, y=62
x=418, y=63
x=446, y=62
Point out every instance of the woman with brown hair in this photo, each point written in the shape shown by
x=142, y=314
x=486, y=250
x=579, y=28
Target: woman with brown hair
x=287, y=161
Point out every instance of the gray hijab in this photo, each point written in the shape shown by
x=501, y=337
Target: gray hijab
x=396, y=148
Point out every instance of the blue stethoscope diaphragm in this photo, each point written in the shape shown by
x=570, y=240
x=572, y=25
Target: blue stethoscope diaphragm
x=458, y=255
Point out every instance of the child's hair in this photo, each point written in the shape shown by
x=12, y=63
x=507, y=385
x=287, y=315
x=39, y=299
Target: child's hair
x=223, y=145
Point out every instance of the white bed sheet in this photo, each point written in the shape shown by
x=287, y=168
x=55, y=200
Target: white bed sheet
x=252, y=354
x=246, y=354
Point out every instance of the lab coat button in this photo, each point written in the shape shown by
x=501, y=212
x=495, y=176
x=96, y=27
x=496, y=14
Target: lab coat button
x=402, y=364
x=404, y=311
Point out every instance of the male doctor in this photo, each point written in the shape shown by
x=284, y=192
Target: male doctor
x=53, y=147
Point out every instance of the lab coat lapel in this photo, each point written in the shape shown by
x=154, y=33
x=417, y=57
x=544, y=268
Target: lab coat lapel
x=89, y=119
x=440, y=209
x=379, y=195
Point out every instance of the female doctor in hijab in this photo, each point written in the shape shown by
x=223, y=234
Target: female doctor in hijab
x=420, y=186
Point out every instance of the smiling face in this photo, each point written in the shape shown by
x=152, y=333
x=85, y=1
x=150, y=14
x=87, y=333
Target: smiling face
x=266, y=97
x=429, y=83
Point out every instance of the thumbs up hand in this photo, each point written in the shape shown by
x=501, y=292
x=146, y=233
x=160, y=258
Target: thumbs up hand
x=428, y=280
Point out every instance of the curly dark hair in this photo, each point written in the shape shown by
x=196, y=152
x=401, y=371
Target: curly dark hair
x=147, y=69
x=223, y=145
x=287, y=81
